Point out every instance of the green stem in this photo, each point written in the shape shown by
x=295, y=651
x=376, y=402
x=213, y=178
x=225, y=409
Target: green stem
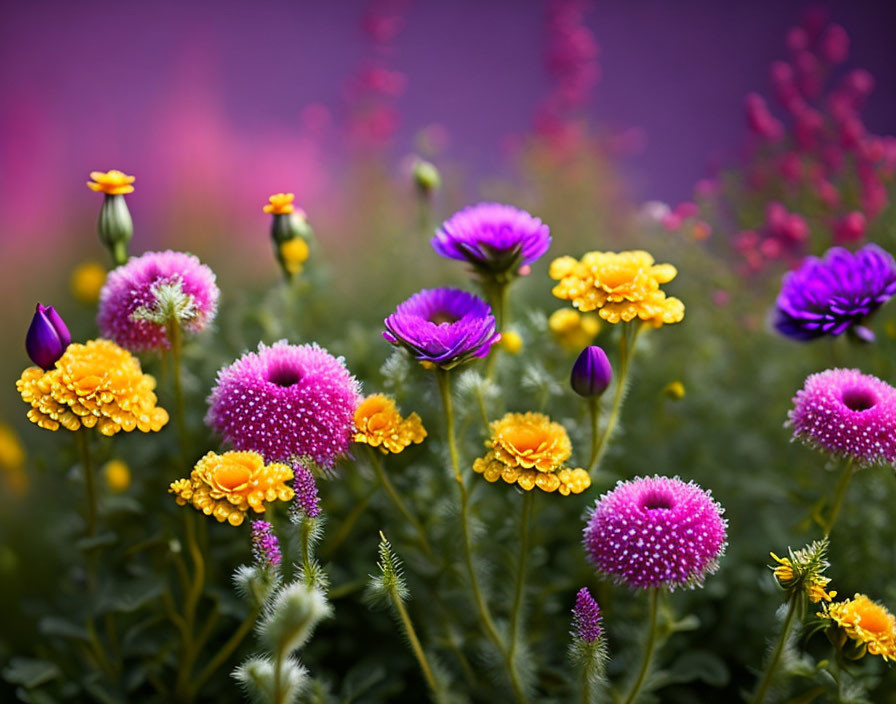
x=89, y=481
x=308, y=572
x=278, y=673
x=346, y=526
x=419, y=653
x=377, y=465
x=839, y=493
x=225, y=652
x=594, y=415
x=194, y=594
x=496, y=293
x=772, y=665
x=175, y=338
x=485, y=618
x=520, y=586
x=649, y=647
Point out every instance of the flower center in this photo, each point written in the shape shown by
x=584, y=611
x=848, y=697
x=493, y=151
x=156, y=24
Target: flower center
x=525, y=438
x=439, y=318
x=874, y=620
x=285, y=376
x=231, y=476
x=656, y=500
x=857, y=399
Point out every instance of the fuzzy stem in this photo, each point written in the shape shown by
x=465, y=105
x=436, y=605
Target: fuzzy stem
x=308, y=572
x=649, y=647
x=520, y=587
x=419, y=653
x=769, y=672
x=839, y=493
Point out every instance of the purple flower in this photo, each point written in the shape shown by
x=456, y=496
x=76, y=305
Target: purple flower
x=494, y=238
x=141, y=297
x=444, y=326
x=286, y=401
x=848, y=414
x=586, y=617
x=47, y=337
x=656, y=532
x=265, y=546
x=835, y=294
x=592, y=373
x=306, y=502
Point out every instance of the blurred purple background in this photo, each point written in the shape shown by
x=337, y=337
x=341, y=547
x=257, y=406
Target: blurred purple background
x=233, y=100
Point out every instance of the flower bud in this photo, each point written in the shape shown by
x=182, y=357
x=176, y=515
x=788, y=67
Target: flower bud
x=47, y=337
x=115, y=227
x=592, y=373
x=426, y=177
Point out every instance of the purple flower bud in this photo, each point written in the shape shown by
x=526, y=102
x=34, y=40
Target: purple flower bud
x=265, y=546
x=47, y=337
x=586, y=617
x=592, y=373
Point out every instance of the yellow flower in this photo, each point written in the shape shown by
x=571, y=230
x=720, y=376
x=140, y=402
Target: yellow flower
x=87, y=282
x=529, y=450
x=511, y=342
x=294, y=253
x=117, y=475
x=379, y=424
x=12, y=460
x=620, y=286
x=572, y=329
x=113, y=183
x=866, y=622
x=227, y=486
x=804, y=574
x=98, y=384
x=280, y=204
x=674, y=390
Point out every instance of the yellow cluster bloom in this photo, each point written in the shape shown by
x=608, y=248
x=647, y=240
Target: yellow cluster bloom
x=793, y=574
x=870, y=625
x=226, y=486
x=620, y=286
x=117, y=475
x=572, y=329
x=96, y=384
x=379, y=424
x=12, y=460
x=113, y=183
x=529, y=450
x=280, y=204
x=87, y=282
x=293, y=254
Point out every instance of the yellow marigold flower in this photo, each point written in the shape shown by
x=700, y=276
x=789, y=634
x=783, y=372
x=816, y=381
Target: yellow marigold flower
x=87, y=281
x=280, y=204
x=511, y=342
x=620, y=286
x=379, y=424
x=870, y=625
x=227, y=486
x=293, y=254
x=113, y=183
x=572, y=329
x=98, y=384
x=117, y=475
x=12, y=460
x=529, y=450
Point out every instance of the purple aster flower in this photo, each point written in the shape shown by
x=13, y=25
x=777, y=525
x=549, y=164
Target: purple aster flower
x=586, y=617
x=444, y=326
x=141, y=297
x=656, y=532
x=306, y=502
x=847, y=413
x=286, y=401
x=835, y=294
x=265, y=546
x=496, y=239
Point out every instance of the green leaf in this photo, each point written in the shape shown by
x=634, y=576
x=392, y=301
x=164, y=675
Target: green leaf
x=97, y=541
x=55, y=626
x=699, y=665
x=30, y=672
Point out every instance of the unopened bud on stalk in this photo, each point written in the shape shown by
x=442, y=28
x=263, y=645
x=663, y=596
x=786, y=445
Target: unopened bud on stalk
x=592, y=373
x=426, y=177
x=114, y=226
x=290, y=233
x=47, y=337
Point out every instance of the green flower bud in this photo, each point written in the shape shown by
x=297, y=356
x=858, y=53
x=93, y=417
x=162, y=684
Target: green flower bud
x=115, y=227
x=292, y=616
x=426, y=177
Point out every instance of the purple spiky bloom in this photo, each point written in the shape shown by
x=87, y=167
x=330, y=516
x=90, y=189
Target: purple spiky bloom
x=493, y=237
x=444, y=326
x=835, y=294
x=848, y=414
x=656, y=532
x=132, y=298
x=265, y=546
x=306, y=500
x=586, y=617
x=286, y=401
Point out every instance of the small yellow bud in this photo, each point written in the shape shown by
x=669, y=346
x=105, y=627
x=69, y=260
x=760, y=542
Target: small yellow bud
x=674, y=390
x=511, y=342
x=87, y=281
x=294, y=253
x=117, y=475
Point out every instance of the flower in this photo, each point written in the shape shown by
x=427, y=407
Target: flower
x=293, y=254
x=572, y=329
x=148, y=293
x=848, y=414
x=511, y=342
x=87, y=281
x=674, y=391
x=47, y=337
x=443, y=326
x=307, y=502
x=656, y=532
x=586, y=617
x=379, y=424
x=113, y=183
x=280, y=204
x=835, y=294
x=620, y=286
x=117, y=475
x=870, y=625
x=227, y=486
x=265, y=546
x=96, y=384
x=803, y=571
x=496, y=239
x=286, y=401
x=12, y=460
x=592, y=373
x=529, y=450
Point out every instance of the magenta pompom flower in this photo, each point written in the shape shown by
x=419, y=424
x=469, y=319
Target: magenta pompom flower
x=847, y=413
x=656, y=532
x=140, y=298
x=286, y=402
